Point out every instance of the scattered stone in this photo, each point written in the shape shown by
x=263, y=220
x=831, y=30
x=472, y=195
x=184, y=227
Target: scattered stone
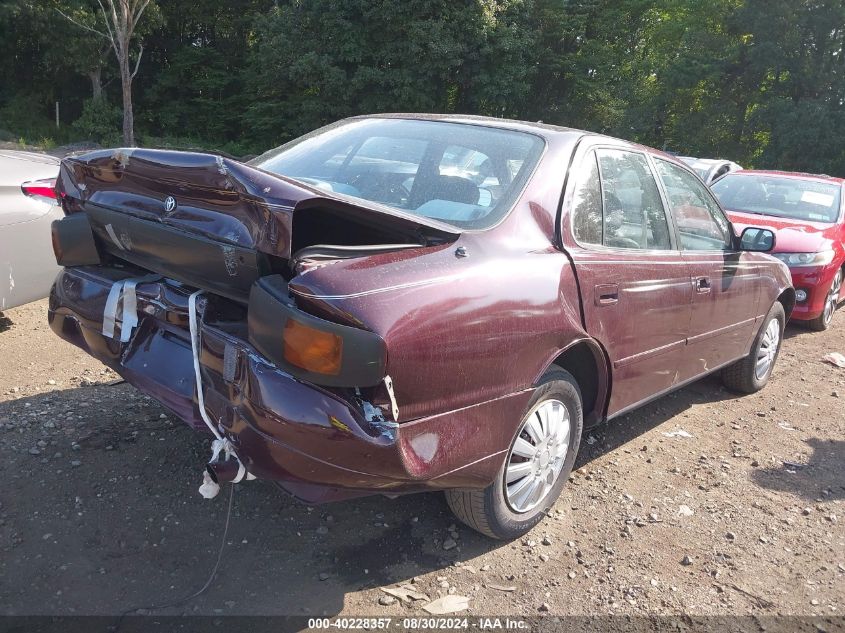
x=34, y=451
x=571, y=575
x=685, y=511
x=323, y=576
x=544, y=558
x=686, y=561
x=386, y=601
x=546, y=541
x=322, y=530
x=806, y=511
x=730, y=536
x=544, y=607
x=449, y=543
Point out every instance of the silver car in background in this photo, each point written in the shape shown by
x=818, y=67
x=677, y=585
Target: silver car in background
x=710, y=169
x=27, y=208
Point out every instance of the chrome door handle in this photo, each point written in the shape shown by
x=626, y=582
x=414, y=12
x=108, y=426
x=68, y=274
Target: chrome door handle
x=702, y=284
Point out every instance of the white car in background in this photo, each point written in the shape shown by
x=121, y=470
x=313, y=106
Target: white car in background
x=27, y=208
x=710, y=169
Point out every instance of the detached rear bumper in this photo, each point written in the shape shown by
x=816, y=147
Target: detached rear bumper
x=316, y=442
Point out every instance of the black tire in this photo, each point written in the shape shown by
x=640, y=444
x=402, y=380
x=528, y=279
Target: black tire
x=822, y=322
x=743, y=376
x=488, y=510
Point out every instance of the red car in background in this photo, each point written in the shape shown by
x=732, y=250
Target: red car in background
x=807, y=213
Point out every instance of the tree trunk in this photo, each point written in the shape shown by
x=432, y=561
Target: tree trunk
x=126, y=85
x=95, y=75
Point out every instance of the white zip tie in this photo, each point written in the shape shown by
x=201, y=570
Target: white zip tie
x=394, y=408
x=113, y=236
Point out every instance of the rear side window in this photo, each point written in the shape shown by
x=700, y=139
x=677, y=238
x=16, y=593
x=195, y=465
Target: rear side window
x=701, y=224
x=586, y=204
x=617, y=204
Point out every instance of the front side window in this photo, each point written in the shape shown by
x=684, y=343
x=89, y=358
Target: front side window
x=586, y=203
x=465, y=175
x=701, y=224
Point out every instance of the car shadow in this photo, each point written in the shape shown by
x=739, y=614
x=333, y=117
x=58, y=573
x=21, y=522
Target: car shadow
x=794, y=330
x=106, y=517
x=610, y=436
x=5, y=323
x=819, y=478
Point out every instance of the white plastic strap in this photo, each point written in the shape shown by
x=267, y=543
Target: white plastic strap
x=195, y=346
x=129, y=312
x=122, y=295
x=110, y=311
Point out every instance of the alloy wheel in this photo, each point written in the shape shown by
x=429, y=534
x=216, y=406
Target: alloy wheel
x=768, y=349
x=537, y=456
x=832, y=297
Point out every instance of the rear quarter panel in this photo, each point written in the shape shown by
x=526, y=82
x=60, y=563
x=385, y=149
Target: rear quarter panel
x=464, y=330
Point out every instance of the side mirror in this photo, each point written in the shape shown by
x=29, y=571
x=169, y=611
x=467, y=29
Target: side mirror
x=757, y=240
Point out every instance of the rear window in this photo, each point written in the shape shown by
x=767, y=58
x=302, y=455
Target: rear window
x=462, y=174
x=780, y=197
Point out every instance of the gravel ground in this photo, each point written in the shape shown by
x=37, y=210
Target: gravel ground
x=701, y=503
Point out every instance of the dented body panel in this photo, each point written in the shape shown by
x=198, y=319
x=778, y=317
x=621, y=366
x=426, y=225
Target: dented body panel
x=469, y=319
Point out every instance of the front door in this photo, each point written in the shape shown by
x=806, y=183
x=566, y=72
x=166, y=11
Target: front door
x=635, y=284
x=726, y=283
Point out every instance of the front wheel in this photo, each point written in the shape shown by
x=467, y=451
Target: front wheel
x=750, y=374
x=537, y=464
x=822, y=322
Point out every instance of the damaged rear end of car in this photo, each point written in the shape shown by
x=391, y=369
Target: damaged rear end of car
x=177, y=274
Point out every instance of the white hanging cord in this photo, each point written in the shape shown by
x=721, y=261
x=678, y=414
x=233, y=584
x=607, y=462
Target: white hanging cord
x=195, y=345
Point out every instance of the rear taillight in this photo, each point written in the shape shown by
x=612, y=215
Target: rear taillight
x=40, y=188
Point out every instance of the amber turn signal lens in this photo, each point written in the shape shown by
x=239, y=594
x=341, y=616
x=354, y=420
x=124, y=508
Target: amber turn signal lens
x=312, y=349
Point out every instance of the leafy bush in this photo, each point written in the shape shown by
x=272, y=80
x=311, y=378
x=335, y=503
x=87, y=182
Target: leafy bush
x=101, y=122
x=23, y=117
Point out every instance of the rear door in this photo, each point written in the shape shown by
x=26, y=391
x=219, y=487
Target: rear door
x=726, y=283
x=635, y=283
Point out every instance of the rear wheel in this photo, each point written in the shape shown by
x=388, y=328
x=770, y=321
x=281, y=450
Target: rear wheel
x=537, y=464
x=822, y=322
x=751, y=373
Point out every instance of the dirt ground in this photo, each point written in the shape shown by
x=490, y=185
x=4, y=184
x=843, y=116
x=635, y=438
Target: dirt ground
x=741, y=513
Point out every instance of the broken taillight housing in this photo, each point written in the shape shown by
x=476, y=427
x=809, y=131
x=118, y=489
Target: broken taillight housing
x=45, y=189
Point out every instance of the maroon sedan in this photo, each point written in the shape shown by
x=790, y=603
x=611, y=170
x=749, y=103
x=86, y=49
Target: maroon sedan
x=807, y=213
x=403, y=303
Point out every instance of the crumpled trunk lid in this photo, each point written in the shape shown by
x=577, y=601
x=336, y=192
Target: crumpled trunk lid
x=216, y=223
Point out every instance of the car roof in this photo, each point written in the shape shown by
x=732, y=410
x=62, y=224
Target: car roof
x=33, y=157
x=789, y=174
x=549, y=132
